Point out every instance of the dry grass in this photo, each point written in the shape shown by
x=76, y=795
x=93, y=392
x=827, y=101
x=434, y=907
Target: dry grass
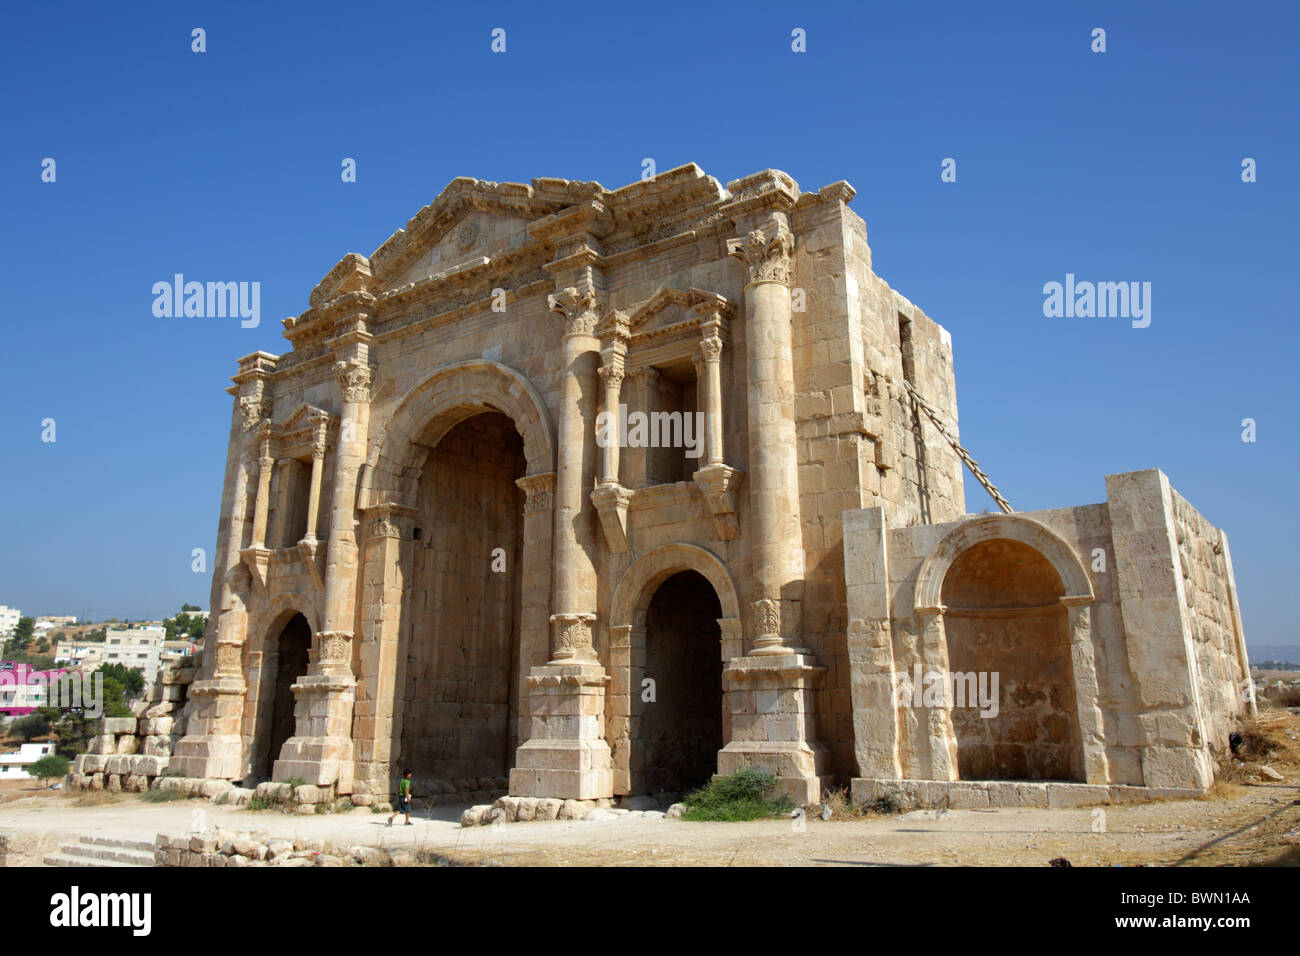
x=1271, y=738
x=96, y=798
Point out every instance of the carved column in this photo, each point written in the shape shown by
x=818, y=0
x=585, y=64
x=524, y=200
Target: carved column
x=567, y=755
x=574, y=600
x=610, y=497
x=262, y=509
x=319, y=444
x=770, y=694
x=776, y=532
x=715, y=479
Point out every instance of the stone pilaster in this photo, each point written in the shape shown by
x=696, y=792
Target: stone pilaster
x=212, y=746
x=321, y=749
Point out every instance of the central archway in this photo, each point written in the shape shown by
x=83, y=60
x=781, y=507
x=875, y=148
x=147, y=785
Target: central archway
x=413, y=647
x=458, y=696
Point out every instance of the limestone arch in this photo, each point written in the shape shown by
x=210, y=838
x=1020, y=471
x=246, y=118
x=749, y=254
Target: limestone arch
x=627, y=642
x=1077, y=599
x=1057, y=551
x=387, y=495
x=638, y=584
x=450, y=394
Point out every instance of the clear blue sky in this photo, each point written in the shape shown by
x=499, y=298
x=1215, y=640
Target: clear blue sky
x=225, y=165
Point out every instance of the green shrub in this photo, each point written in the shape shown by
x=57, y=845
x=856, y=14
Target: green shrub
x=259, y=803
x=743, y=795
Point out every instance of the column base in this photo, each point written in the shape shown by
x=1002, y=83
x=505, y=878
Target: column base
x=770, y=702
x=568, y=756
x=320, y=751
x=213, y=747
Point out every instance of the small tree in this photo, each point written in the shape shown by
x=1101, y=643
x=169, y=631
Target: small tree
x=30, y=727
x=130, y=679
x=22, y=633
x=49, y=767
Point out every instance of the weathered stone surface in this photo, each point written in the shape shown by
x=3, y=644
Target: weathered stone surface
x=753, y=308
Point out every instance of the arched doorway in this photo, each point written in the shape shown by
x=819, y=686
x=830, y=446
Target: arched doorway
x=457, y=693
x=1003, y=618
x=676, y=727
x=292, y=649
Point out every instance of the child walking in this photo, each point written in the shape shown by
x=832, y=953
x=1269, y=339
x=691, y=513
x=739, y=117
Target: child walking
x=403, y=804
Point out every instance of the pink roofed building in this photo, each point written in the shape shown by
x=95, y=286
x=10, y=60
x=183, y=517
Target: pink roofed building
x=22, y=689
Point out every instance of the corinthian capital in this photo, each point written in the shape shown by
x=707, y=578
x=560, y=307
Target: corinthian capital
x=580, y=307
x=765, y=252
x=355, y=378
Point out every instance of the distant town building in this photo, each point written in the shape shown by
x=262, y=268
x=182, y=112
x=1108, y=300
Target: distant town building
x=8, y=620
x=22, y=689
x=13, y=766
x=175, y=651
x=79, y=653
x=56, y=620
x=138, y=647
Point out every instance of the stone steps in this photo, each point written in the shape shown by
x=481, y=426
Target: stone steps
x=99, y=851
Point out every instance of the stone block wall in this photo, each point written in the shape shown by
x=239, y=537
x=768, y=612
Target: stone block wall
x=131, y=753
x=1162, y=659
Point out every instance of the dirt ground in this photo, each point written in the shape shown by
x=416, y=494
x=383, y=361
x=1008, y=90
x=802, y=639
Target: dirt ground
x=1259, y=825
x=1248, y=819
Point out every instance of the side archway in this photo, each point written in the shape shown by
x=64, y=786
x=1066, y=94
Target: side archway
x=674, y=621
x=1065, y=585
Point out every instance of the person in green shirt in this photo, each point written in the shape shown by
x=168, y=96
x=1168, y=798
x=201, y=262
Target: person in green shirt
x=403, y=804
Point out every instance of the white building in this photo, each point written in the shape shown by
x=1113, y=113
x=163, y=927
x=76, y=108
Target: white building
x=79, y=653
x=138, y=647
x=8, y=620
x=13, y=766
x=57, y=620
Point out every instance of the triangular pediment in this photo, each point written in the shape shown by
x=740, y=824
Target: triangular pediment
x=665, y=308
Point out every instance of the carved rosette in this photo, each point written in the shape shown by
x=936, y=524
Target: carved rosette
x=355, y=379
x=580, y=307
x=539, y=492
x=766, y=252
x=571, y=637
